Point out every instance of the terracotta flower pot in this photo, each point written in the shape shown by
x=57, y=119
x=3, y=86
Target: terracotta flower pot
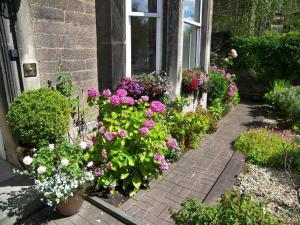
x=71, y=206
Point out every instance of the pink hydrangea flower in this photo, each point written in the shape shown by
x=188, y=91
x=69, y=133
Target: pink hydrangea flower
x=145, y=98
x=232, y=89
x=127, y=100
x=108, y=165
x=104, y=154
x=163, y=166
x=106, y=93
x=172, y=143
x=144, y=131
x=122, y=134
x=112, y=186
x=109, y=136
x=102, y=130
x=93, y=93
x=121, y=93
x=149, y=123
x=228, y=76
x=158, y=157
x=157, y=106
x=149, y=113
x=98, y=172
x=114, y=100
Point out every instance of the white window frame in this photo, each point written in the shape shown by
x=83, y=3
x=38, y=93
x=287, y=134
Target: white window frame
x=159, y=30
x=199, y=27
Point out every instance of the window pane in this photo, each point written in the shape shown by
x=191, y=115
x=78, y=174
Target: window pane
x=189, y=46
x=144, y=6
x=143, y=44
x=192, y=10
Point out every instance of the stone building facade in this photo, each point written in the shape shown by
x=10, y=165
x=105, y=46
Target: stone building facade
x=97, y=42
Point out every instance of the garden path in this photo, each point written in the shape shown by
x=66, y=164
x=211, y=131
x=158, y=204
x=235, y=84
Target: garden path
x=197, y=174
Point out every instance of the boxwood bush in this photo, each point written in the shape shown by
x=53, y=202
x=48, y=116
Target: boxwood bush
x=233, y=208
x=39, y=117
x=267, y=148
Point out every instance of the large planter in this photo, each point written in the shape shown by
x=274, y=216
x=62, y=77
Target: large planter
x=71, y=206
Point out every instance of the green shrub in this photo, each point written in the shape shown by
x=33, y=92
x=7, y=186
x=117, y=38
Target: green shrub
x=271, y=56
x=278, y=86
x=218, y=87
x=39, y=117
x=265, y=147
x=217, y=109
x=233, y=208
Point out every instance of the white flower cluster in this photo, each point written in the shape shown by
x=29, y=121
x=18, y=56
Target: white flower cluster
x=59, y=187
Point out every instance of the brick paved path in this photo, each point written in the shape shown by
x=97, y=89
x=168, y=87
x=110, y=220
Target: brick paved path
x=193, y=175
x=88, y=215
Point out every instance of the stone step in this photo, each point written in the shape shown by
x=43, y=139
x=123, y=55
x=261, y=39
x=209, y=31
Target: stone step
x=18, y=199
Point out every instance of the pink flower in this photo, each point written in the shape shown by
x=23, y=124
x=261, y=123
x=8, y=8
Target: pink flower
x=158, y=157
x=102, y=130
x=145, y=98
x=106, y=93
x=228, y=76
x=157, y=106
x=121, y=93
x=93, y=93
x=114, y=100
x=127, y=100
x=163, y=166
x=223, y=72
x=233, y=53
x=104, y=154
x=112, y=186
x=122, y=133
x=149, y=113
x=172, y=143
x=144, y=131
x=232, y=89
x=98, y=172
x=109, y=136
x=108, y=165
x=99, y=124
x=149, y=123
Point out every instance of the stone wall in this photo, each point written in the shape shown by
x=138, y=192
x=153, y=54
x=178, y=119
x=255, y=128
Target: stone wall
x=65, y=31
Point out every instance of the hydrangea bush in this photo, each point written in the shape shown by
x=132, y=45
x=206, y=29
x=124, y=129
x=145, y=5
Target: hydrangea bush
x=130, y=143
x=58, y=171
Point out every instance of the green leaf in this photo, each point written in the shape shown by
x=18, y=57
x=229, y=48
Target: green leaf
x=131, y=161
x=136, y=181
x=124, y=176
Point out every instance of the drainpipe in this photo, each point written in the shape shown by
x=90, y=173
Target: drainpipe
x=25, y=36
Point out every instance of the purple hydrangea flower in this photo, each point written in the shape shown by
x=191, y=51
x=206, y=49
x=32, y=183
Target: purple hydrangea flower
x=133, y=87
x=163, y=166
x=114, y=100
x=121, y=92
x=98, y=172
x=102, y=130
x=122, y=133
x=108, y=165
x=145, y=98
x=149, y=113
x=109, y=136
x=172, y=143
x=232, y=89
x=144, y=131
x=149, y=123
x=112, y=186
x=228, y=76
x=157, y=106
x=106, y=93
x=89, y=144
x=93, y=93
x=214, y=68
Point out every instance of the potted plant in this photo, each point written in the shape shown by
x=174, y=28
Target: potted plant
x=59, y=175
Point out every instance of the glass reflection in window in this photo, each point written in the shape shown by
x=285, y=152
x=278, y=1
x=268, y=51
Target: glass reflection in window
x=192, y=10
x=189, y=46
x=148, y=6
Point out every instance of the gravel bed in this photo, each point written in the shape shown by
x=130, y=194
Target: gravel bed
x=271, y=187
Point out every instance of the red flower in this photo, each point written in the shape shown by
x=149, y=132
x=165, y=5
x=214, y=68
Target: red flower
x=194, y=83
x=260, y=223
